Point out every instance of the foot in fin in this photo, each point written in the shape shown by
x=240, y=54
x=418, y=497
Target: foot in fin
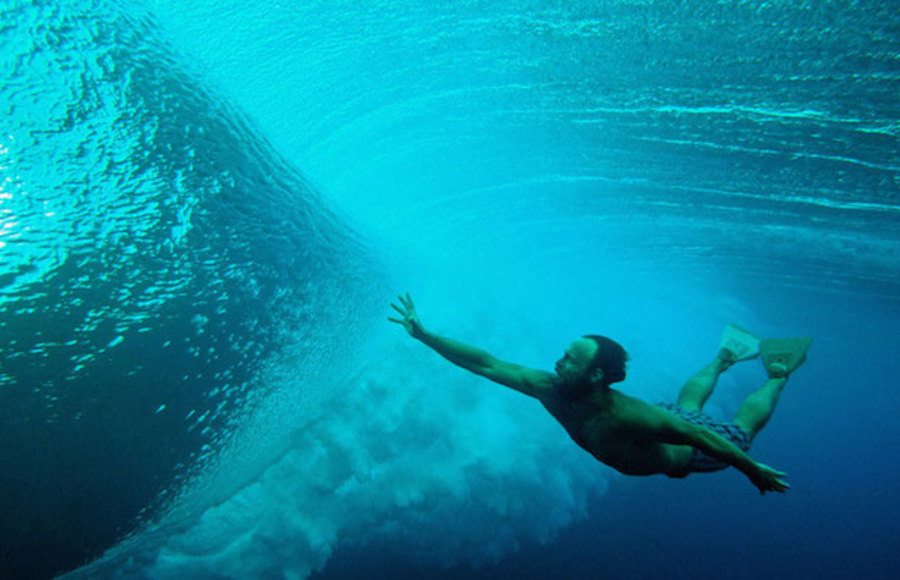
x=737, y=344
x=782, y=356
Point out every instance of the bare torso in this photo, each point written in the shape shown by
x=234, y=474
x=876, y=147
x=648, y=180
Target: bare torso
x=593, y=424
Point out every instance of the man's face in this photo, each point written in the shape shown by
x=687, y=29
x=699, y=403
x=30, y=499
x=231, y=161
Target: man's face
x=572, y=367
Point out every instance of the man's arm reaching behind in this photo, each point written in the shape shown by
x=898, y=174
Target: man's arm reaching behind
x=654, y=423
x=532, y=382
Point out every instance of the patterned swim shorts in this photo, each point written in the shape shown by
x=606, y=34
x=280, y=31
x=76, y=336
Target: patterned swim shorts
x=699, y=460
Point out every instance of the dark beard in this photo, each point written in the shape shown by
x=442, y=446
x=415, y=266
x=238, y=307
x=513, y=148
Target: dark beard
x=575, y=390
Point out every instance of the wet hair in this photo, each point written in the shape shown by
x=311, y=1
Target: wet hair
x=610, y=357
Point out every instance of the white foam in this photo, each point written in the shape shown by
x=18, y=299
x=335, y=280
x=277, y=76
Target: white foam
x=412, y=452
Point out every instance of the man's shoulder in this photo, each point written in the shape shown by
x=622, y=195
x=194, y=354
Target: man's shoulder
x=541, y=378
x=630, y=404
x=633, y=413
x=532, y=382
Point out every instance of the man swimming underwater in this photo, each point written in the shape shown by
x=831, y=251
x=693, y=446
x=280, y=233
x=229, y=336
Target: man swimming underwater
x=626, y=433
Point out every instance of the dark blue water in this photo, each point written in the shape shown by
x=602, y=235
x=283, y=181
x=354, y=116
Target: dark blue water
x=205, y=209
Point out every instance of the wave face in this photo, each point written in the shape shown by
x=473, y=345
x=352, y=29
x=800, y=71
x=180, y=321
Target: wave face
x=155, y=254
x=195, y=376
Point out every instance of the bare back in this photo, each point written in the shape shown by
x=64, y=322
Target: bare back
x=596, y=425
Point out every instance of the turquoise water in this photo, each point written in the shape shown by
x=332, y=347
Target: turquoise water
x=206, y=208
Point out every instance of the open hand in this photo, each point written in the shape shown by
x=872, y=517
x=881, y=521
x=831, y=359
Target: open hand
x=410, y=320
x=768, y=479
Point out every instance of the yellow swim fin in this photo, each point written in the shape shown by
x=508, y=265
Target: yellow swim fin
x=738, y=344
x=782, y=356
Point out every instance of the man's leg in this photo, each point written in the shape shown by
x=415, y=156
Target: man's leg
x=756, y=409
x=699, y=387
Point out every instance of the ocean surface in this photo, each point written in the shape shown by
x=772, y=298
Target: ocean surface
x=206, y=208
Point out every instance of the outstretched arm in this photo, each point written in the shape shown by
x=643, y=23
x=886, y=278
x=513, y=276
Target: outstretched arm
x=661, y=425
x=763, y=477
x=532, y=382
